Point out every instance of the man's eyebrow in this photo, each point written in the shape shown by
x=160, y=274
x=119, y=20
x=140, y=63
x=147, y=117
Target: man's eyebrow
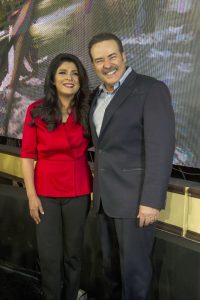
x=112, y=54
x=99, y=58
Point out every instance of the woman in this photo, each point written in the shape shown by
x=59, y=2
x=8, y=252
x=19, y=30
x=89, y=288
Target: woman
x=56, y=135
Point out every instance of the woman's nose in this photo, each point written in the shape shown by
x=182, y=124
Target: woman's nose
x=69, y=76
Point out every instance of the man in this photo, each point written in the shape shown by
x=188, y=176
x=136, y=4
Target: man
x=132, y=125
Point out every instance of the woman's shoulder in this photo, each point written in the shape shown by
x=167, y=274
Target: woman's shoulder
x=35, y=103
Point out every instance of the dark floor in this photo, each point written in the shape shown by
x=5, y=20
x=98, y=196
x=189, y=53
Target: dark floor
x=176, y=276
x=18, y=286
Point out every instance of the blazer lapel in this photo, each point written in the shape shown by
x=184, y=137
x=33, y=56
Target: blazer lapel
x=92, y=108
x=120, y=96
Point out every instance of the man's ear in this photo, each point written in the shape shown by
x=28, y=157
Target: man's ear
x=124, y=56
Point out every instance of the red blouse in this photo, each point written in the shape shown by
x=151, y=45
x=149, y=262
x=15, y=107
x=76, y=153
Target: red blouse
x=62, y=169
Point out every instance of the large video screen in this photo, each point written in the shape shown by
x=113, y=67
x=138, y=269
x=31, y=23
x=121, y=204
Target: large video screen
x=160, y=38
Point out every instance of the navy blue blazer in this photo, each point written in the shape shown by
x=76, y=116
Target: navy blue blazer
x=134, y=151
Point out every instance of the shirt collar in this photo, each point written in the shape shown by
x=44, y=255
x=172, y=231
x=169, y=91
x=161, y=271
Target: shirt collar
x=102, y=87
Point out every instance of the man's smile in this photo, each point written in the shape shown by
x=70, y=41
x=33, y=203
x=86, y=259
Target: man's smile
x=110, y=71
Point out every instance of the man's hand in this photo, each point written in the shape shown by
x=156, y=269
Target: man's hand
x=35, y=208
x=147, y=215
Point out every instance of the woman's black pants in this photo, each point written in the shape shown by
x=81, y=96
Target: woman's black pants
x=60, y=239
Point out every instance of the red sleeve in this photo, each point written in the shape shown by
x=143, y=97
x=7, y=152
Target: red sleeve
x=29, y=138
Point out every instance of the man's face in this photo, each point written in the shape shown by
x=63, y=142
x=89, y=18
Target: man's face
x=108, y=62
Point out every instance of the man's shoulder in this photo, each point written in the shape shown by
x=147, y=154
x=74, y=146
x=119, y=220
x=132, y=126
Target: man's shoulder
x=140, y=81
x=146, y=80
x=144, y=83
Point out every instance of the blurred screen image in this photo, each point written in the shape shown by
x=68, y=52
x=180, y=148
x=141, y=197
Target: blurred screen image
x=161, y=38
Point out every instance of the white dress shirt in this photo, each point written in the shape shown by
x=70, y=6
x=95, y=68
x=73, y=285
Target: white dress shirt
x=104, y=99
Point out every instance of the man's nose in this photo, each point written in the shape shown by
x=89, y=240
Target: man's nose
x=107, y=64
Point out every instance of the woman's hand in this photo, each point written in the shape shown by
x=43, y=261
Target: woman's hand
x=35, y=208
x=35, y=205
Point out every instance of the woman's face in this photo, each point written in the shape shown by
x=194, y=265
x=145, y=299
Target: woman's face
x=66, y=79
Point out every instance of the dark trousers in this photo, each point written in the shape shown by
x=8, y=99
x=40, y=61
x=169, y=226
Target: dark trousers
x=126, y=251
x=60, y=240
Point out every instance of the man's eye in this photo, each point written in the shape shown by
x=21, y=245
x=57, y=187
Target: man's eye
x=113, y=57
x=98, y=61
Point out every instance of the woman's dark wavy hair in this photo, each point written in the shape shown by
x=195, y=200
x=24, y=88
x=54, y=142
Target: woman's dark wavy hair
x=49, y=109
